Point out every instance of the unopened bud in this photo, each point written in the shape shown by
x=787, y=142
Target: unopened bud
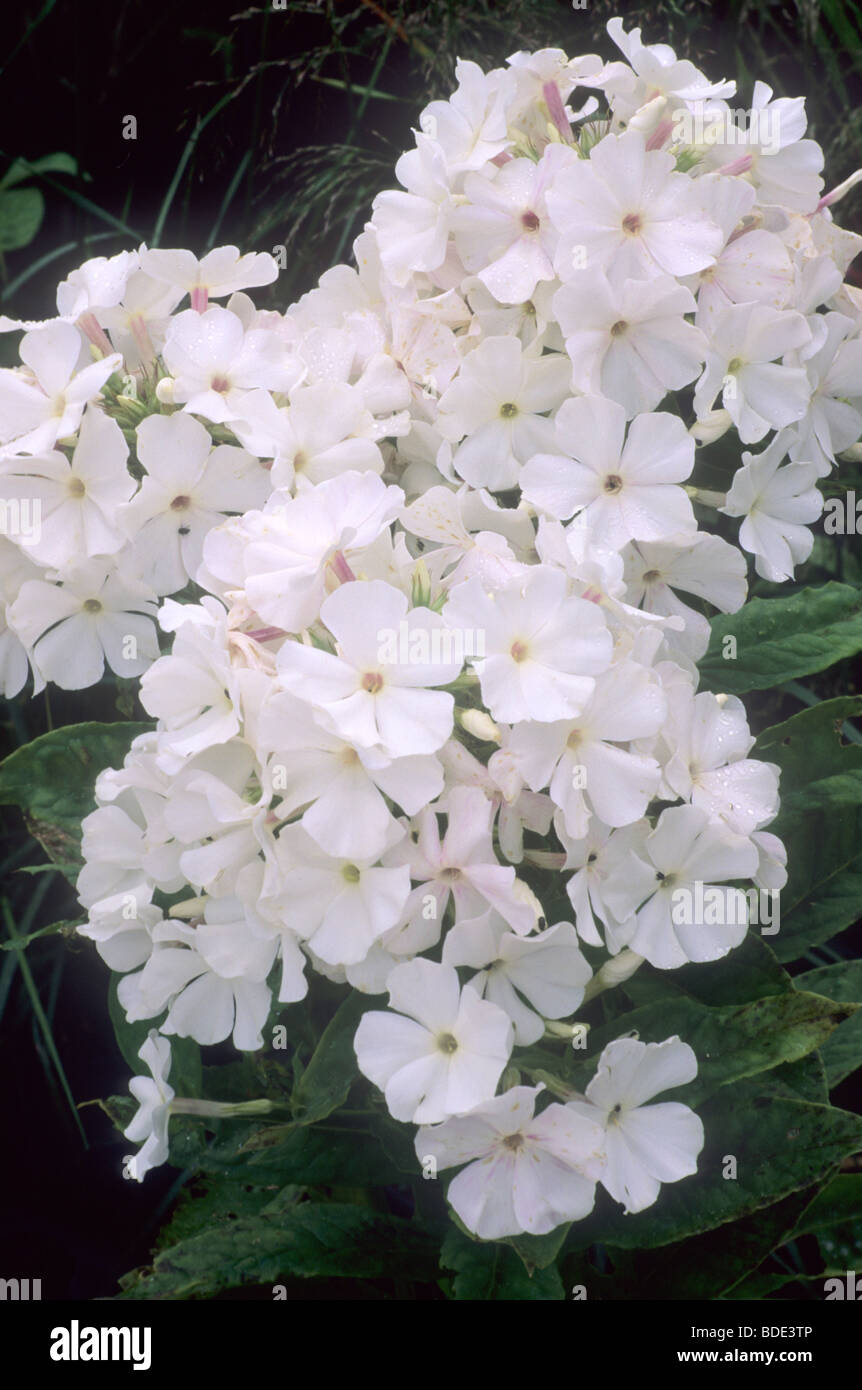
x=711, y=426
x=479, y=724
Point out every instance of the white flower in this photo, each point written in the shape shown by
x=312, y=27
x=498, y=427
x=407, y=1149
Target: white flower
x=624, y=486
x=469, y=128
x=193, y=692
x=776, y=503
x=286, y=550
x=503, y=232
x=631, y=341
x=526, y=1172
x=413, y=227
x=222, y=271
x=206, y=1002
x=579, y=761
x=340, y=906
x=445, y=1057
x=99, y=615
x=215, y=362
x=672, y=884
x=543, y=648
x=45, y=403
x=369, y=695
x=704, y=565
x=758, y=392
x=710, y=739
x=323, y=774
x=188, y=488
x=497, y=401
x=79, y=499
x=460, y=866
x=547, y=970
x=324, y=432
x=631, y=213
x=153, y=1094
x=645, y=1145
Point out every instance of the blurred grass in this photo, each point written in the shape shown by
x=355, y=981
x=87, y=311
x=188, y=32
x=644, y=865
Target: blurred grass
x=278, y=127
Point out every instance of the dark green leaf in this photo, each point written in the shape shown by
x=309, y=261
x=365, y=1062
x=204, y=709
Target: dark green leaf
x=311, y=1240
x=488, y=1272
x=778, y=639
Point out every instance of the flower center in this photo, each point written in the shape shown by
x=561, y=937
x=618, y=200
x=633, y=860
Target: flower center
x=450, y=875
x=632, y=224
x=574, y=738
x=92, y=605
x=530, y=222
x=613, y=483
x=518, y=651
x=618, y=328
x=76, y=487
x=220, y=384
x=651, y=577
x=350, y=873
x=447, y=1043
x=733, y=366
x=513, y=1142
x=181, y=503
x=508, y=410
x=372, y=681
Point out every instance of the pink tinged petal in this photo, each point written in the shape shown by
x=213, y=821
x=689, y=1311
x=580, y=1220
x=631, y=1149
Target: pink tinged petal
x=547, y=1193
x=458, y=1140
x=483, y=1196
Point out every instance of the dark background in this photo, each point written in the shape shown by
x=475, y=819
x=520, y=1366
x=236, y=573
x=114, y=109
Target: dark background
x=264, y=127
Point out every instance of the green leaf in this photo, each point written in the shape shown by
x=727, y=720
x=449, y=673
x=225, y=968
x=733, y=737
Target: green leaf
x=839, y=1201
x=21, y=169
x=778, y=639
x=52, y=780
x=781, y=1146
x=820, y=821
x=326, y=1081
x=705, y=1266
x=842, y=1052
x=315, y=1157
x=21, y=213
x=311, y=1240
x=730, y=1042
x=750, y=971
x=537, y=1252
x=209, y=1202
x=487, y=1271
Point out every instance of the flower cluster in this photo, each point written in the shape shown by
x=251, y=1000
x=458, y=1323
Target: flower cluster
x=430, y=724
